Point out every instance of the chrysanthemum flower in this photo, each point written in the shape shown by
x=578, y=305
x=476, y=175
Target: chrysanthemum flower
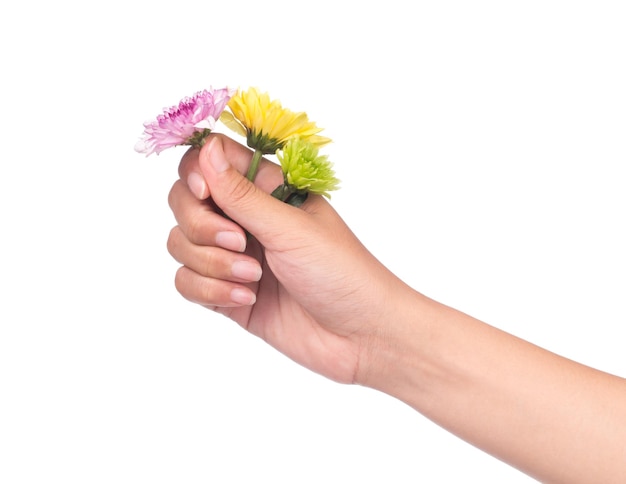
x=189, y=123
x=304, y=171
x=267, y=125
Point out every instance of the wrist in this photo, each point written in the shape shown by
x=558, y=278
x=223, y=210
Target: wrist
x=394, y=356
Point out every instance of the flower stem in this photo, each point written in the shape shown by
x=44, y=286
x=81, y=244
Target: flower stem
x=254, y=165
x=288, y=194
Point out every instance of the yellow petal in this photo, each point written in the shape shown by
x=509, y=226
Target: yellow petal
x=229, y=120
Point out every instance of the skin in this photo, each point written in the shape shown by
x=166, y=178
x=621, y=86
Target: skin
x=304, y=283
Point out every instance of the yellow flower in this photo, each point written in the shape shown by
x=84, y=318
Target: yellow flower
x=267, y=125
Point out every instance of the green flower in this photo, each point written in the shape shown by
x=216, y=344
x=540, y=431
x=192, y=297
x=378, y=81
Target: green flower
x=304, y=172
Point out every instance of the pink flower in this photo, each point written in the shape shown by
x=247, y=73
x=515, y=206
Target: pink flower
x=189, y=123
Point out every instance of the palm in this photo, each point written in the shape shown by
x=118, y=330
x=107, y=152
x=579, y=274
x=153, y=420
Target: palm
x=283, y=319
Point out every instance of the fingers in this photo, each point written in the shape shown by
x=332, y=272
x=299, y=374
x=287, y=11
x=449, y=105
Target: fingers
x=212, y=276
x=212, y=292
x=212, y=262
x=201, y=222
x=239, y=156
x=210, y=247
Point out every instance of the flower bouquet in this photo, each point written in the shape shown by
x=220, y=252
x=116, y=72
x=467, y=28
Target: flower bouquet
x=269, y=129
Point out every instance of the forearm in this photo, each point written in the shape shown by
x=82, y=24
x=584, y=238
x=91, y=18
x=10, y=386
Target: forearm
x=552, y=418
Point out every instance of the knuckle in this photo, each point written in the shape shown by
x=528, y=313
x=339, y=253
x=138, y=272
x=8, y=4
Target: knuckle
x=243, y=192
x=206, y=295
x=181, y=279
x=195, y=288
x=196, y=227
x=173, y=193
x=173, y=240
x=208, y=265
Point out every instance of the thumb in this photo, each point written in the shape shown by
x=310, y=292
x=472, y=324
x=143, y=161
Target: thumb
x=258, y=212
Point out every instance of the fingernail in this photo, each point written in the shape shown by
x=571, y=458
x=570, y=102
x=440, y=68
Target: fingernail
x=242, y=296
x=197, y=185
x=246, y=270
x=216, y=156
x=231, y=241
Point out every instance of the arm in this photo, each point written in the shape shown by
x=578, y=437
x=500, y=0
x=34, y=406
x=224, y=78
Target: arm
x=314, y=292
x=550, y=417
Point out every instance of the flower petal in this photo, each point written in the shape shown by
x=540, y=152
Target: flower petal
x=188, y=123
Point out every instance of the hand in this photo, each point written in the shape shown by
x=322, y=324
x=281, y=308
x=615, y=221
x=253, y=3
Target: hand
x=302, y=281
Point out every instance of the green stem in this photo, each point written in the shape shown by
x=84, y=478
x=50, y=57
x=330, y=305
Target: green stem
x=282, y=192
x=254, y=165
x=288, y=194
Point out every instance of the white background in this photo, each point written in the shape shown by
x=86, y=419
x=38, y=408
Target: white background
x=481, y=148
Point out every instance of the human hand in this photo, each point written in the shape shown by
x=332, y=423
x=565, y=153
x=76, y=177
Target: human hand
x=303, y=282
